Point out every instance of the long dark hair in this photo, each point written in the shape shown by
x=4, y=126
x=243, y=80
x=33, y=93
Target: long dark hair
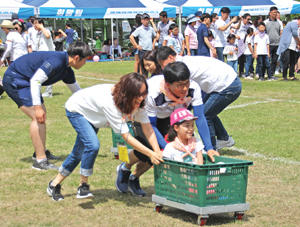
x=138, y=20
x=172, y=134
x=150, y=56
x=128, y=89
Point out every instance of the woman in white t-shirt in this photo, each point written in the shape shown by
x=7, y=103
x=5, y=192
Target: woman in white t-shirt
x=95, y=107
x=249, y=52
x=16, y=46
x=19, y=26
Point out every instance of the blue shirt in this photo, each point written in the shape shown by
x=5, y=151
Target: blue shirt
x=176, y=43
x=53, y=63
x=69, y=32
x=203, y=49
x=290, y=30
x=145, y=36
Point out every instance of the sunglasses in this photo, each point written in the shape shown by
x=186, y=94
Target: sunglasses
x=144, y=94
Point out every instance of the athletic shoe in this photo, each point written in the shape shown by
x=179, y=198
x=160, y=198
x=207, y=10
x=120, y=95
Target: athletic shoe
x=48, y=155
x=83, y=192
x=257, y=76
x=248, y=78
x=285, y=79
x=45, y=165
x=251, y=74
x=276, y=72
x=261, y=79
x=294, y=79
x=47, y=95
x=272, y=78
x=54, y=191
x=122, y=179
x=242, y=75
x=224, y=143
x=135, y=188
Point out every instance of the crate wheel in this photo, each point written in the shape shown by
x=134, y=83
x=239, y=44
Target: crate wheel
x=158, y=209
x=238, y=215
x=117, y=156
x=203, y=221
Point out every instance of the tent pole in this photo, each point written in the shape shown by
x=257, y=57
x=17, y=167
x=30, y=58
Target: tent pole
x=92, y=36
x=81, y=26
x=180, y=19
x=117, y=27
x=54, y=23
x=112, y=36
x=104, y=30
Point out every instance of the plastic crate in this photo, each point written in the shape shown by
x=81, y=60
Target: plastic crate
x=203, y=185
x=117, y=138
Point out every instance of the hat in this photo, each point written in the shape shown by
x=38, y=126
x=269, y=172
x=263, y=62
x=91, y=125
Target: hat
x=7, y=24
x=192, y=18
x=145, y=15
x=180, y=115
x=198, y=14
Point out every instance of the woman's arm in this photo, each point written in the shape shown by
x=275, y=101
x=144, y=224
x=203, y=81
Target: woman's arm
x=187, y=43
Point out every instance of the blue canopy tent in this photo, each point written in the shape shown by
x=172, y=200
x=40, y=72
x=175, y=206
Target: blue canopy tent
x=99, y=8
x=7, y=8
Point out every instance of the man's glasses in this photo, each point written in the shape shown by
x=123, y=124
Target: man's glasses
x=181, y=86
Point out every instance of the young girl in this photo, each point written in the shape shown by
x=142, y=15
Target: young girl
x=262, y=52
x=231, y=52
x=183, y=146
x=248, y=52
x=211, y=40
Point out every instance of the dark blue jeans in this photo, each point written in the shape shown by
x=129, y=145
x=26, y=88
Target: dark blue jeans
x=248, y=64
x=263, y=63
x=85, y=149
x=215, y=103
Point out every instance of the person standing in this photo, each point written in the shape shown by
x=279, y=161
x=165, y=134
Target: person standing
x=23, y=84
x=202, y=36
x=44, y=43
x=223, y=26
x=32, y=34
x=69, y=32
x=214, y=18
x=240, y=35
x=198, y=23
x=138, y=23
x=287, y=48
x=163, y=27
x=176, y=41
x=146, y=35
x=16, y=46
x=190, y=34
x=58, y=39
x=274, y=29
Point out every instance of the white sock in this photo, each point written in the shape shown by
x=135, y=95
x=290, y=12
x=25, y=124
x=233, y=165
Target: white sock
x=132, y=177
x=41, y=160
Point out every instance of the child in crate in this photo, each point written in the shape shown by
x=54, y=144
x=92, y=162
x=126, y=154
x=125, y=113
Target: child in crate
x=183, y=146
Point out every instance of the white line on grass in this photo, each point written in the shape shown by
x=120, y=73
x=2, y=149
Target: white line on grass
x=92, y=78
x=258, y=155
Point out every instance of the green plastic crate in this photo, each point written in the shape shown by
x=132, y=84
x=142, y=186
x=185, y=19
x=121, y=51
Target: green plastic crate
x=204, y=185
x=117, y=138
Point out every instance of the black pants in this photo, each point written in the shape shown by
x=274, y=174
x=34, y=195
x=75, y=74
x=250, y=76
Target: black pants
x=288, y=58
x=162, y=125
x=241, y=62
x=274, y=57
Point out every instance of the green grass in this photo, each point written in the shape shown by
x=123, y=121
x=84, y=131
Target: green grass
x=266, y=127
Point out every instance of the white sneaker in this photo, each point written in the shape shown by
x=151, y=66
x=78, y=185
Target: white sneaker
x=223, y=143
x=257, y=76
x=46, y=95
x=276, y=72
x=248, y=78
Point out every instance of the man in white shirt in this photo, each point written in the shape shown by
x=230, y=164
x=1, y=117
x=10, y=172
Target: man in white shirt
x=222, y=27
x=218, y=80
x=44, y=42
x=32, y=32
x=163, y=27
x=240, y=35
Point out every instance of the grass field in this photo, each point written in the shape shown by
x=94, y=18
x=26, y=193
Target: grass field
x=264, y=122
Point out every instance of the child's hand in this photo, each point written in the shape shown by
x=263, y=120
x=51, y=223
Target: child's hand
x=230, y=53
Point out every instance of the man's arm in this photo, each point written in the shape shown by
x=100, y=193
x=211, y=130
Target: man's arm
x=160, y=139
x=135, y=45
x=223, y=28
x=214, y=51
